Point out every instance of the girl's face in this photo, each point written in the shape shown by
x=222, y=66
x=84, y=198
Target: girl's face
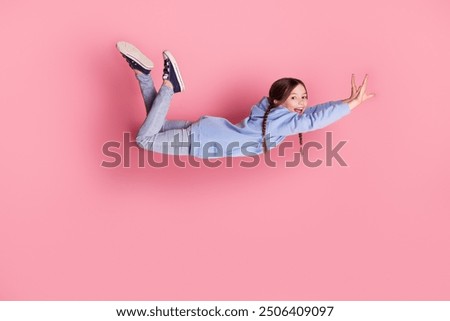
x=297, y=100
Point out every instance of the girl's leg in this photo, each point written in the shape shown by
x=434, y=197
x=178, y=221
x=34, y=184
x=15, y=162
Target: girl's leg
x=157, y=133
x=149, y=94
x=147, y=89
x=171, y=142
x=157, y=113
x=160, y=135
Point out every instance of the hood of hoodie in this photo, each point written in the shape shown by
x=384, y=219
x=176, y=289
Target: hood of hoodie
x=260, y=108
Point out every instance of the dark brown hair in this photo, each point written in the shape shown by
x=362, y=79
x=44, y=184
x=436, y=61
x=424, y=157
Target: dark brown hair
x=280, y=91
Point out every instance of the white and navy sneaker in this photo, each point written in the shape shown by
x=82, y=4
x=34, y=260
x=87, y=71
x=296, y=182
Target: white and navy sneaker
x=135, y=58
x=172, y=72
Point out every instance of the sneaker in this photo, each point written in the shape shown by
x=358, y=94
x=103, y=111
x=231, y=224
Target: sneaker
x=135, y=58
x=172, y=72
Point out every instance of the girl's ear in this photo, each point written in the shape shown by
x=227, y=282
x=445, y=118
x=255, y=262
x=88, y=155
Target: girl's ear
x=275, y=102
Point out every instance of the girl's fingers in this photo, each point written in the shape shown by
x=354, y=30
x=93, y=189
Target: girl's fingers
x=368, y=96
x=364, y=85
x=358, y=92
x=353, y=85
x=365, y=81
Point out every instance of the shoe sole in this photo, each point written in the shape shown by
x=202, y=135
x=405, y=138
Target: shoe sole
x=175, y=67
x=134, y=53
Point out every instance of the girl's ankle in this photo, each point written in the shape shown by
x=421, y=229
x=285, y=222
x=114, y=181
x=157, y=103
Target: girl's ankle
x=167, y=83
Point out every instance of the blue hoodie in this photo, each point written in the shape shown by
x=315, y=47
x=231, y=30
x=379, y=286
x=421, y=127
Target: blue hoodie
x=214, y=137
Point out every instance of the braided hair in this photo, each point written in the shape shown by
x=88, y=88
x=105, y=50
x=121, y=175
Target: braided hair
x=280, y=91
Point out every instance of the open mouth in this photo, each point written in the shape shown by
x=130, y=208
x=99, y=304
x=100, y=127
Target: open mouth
x=299, y=110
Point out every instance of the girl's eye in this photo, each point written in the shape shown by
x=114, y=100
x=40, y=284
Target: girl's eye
x=293, y=97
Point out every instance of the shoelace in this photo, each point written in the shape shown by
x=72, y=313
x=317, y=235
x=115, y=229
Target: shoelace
x=166, y=71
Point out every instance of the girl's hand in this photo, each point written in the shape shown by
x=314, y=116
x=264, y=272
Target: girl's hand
x=358, y=95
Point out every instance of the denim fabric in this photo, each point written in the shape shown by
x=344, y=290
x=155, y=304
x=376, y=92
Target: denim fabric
x=157, y=133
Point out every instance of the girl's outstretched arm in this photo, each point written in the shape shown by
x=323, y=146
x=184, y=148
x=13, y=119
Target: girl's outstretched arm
x=316, y=117
x=359, y=94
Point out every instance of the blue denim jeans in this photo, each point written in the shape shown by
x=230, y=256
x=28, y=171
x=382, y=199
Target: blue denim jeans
x=157, y=133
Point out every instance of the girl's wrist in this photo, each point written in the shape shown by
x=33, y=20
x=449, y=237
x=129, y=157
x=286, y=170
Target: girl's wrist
x=352, y=103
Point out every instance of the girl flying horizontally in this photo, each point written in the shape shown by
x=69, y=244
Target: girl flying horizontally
x=282, y=113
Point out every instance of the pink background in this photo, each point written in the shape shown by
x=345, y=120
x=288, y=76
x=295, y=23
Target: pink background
x=73, y=230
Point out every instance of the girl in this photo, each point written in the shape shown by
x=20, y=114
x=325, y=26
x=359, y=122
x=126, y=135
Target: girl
x=284, y=112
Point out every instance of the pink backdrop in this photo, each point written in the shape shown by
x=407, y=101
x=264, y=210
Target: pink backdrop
x=71, y=229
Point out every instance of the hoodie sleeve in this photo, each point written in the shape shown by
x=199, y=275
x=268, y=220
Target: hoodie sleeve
x=320, y=116
x=313, y=118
